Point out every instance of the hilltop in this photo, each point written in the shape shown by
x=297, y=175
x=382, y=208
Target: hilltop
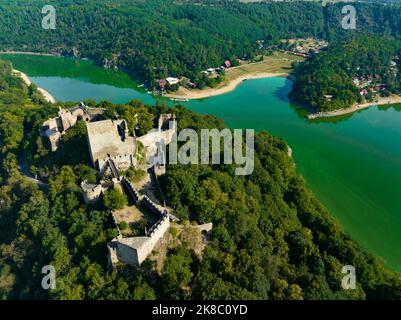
x=271, y=237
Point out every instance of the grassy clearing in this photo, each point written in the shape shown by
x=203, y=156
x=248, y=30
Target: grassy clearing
x=278, y=63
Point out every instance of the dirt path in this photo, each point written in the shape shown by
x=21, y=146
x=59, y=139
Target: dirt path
x=23, y=167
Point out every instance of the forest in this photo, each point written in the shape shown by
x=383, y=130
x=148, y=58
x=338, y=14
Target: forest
x=371, y=63
x=272, y=239
x=155, y=39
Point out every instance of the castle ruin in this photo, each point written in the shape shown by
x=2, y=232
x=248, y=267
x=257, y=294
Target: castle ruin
x=54, y=128
x=111, y=147
x=134, y=250
x=109, y=139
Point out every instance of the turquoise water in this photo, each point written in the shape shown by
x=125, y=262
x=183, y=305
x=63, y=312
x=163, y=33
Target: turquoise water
x=352, y=164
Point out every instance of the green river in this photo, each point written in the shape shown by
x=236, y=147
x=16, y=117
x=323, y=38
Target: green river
x=352, y=163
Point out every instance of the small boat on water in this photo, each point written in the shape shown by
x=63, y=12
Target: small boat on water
x=179, y=99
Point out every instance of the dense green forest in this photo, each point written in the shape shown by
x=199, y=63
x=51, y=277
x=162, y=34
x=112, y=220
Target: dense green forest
x=272, y=239
x=372, y=62
x=154, y=39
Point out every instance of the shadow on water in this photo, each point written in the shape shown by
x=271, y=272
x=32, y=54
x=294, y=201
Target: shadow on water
x=396, y=107
x=282, y=92
x=345, y=117
x=333, y=120
x=300, y=111
x=304, y=111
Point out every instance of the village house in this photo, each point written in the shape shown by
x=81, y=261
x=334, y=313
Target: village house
x=187, y=83
x=191, y=84
x=363, y=92
x=378, y=87
x=227, y=64
x=172, y=81
x=162, y=84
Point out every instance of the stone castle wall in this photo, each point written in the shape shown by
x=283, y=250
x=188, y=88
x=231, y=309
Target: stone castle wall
x=54, y=128
x=156, y=233
x=135, y=250
x=127, y=254
x=90, y=192
x=122, y=162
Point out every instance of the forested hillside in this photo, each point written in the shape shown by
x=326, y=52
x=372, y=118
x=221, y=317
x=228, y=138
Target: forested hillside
x=154, y=39
x=271, y=238
x=354, y=70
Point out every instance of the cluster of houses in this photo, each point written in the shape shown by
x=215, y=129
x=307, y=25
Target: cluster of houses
x=372, y=83
x=366, y=84
x=212, y=71
x=369, y=84
x=171, y=81
x=163, y=84
x=306, y=47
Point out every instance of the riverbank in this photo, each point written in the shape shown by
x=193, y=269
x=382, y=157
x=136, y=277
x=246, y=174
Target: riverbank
x=48, y=97
x=278, y=64
x=30, y=53
x=193, y=94
x=378, y=102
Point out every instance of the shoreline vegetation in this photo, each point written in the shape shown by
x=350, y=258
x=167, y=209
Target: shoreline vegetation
x=380, y=101
x=48, y=97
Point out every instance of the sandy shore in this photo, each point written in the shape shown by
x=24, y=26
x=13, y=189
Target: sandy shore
x=378, y=102
x=184, y=93
x=48, y=97
x=28, y=53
